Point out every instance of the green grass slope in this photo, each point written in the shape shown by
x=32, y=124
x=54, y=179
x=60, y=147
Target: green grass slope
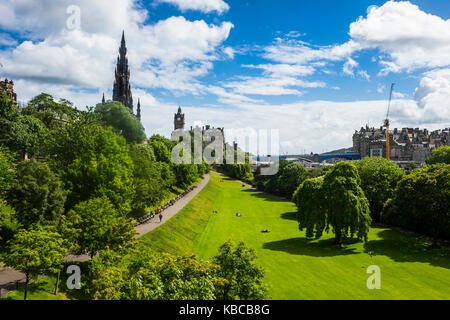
x=297, y=268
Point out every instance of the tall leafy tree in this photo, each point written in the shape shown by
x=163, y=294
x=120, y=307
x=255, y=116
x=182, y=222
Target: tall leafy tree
x=94, y=162
x=37, y=195
x=152, y=180
x=439, y=155
x=36, y=252
x=346, y=206
x=185, y=175
x=379, y=178
x=118, y=116
x=309, y=199
x=290, y=178
x=421, y=202
x=50, y=112
x=7, y=174
x=95, y=225
x=161, y=150
x=21, y=133
x=150, y=276
x=243, y=276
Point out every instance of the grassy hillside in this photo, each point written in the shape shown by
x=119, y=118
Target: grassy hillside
x=297, y=268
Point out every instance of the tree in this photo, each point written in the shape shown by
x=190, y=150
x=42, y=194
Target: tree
x=379, y=178
x=346, y=206
x=95, y=225
x=272, y=183
x=50, y=112
x=35, y=252
x=439, y=155
x=185, y=175
x=118, y=116
x=292, y=176
x=309, y=199
x=243, y=277
x=152, y=180
x=9, y=225
x=7, y=174
x=37, y=195
x=21, y=133
x=151, y=276
x=421, y=202
x=161, y=151
x=94, y=162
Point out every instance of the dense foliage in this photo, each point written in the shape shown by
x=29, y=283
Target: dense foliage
x=379, y=178
x=243, y=277
x=118, y=116
x=439, y=155
x=96, y=225
x=37, y=195
x=421, y=202
x=284, y=183
x=337, y=202
x=36, y=252
x=233, y=274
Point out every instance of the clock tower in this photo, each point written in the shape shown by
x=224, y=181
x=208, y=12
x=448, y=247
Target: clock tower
x=179, y=120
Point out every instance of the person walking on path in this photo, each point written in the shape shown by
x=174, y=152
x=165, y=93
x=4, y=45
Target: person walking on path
x=160, y=217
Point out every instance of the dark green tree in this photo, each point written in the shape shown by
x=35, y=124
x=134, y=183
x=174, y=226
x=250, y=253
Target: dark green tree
x=7, y=174
x=421, y=202
x=94, y=161
x=152, y=180
x=95, y=225
x=185, y=175
x=289, y=180
x=118, y=116
x=243, y=276
x=379, y=178
x=309, y=199
x=37, y=195
x=346, y=206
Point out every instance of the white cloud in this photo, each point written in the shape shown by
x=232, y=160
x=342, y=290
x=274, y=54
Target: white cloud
x=410, y=37
x=381, y=88
x=169, y=54
x=205, y=6
x=349, y=67
x=277, y=70
x=407, y=37
x=433, y=95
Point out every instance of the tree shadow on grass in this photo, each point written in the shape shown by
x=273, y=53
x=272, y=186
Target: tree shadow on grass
x=304, y=246
x=408, y=248
x=265, y=196
x=290, y=215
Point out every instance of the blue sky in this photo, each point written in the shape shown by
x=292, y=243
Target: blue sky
x=315, y=70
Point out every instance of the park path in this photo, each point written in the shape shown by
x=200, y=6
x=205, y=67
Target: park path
x=10, y=278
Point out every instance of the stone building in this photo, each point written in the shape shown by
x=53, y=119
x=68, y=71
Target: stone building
x=178, y=120
x=8, y=87
x=407, y=144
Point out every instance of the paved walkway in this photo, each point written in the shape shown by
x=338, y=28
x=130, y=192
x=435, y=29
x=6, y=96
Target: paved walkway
x=172, y=210
x=10, y=277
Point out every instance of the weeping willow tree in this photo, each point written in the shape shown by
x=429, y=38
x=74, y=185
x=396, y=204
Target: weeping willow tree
x=335, y=201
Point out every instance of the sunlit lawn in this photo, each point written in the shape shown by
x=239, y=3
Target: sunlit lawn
x=297, y=268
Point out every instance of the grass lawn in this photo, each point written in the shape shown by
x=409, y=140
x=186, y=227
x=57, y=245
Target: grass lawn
x=42, y=289
x=297, y=268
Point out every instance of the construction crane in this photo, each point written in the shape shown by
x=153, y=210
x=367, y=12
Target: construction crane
x=386, y=125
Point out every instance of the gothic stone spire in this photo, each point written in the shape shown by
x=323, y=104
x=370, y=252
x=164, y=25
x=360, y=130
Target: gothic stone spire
x=122, y=87
x=138, y=115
